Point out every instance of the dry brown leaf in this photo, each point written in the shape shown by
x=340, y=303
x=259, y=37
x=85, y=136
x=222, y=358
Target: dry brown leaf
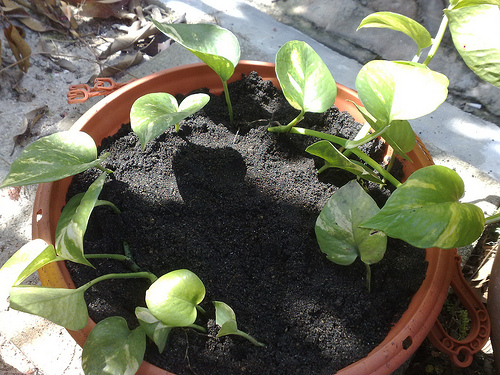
x=127, y=62
x=52, y=12
x=99, y=8
x=30, y=119
x=19, y=13
x=20, y=49
x=125, y=41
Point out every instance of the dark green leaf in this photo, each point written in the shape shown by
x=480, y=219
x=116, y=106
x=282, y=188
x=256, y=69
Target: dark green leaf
x=52, y=158
x=304, y=78
x=113, y=349
x=425, y=211
x=337, y=227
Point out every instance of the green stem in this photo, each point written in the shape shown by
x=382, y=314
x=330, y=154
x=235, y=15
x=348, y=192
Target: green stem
x=131, y=275
x=228, y=100
x=368, y=277
x=108, y=203
x=287, y=128
x=201, y=309
x=197, y=327
x=437, y=40
x=356, y=151
x=249, y=338
x=109, y=171
x=127, y=258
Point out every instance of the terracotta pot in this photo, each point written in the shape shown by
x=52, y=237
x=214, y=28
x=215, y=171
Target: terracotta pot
x=107, y=116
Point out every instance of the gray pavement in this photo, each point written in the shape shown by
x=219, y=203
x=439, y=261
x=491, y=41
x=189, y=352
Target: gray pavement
x=455, y=138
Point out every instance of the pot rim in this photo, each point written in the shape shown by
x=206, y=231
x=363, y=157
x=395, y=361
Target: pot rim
x=407, y=333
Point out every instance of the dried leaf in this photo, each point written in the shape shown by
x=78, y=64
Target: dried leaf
x=128, y=40
x=30, y=119
x=100, y=8
x=20, y=49
x=19, y=13
x=127, y=62
x=52, y=12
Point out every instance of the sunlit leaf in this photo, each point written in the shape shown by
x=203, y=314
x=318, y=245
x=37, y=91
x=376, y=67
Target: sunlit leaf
x=152, y=114
x=337, y=227
x=399, y=22
x=52, y=158
x=215, y=46
x=425, y=211
x=304, y=78
x=173, y=298
x=400, y=90
x=475, y=31
x=65, y=307
x=467, y=3
x=113, y=349
x=334, y=159
x=23, y=263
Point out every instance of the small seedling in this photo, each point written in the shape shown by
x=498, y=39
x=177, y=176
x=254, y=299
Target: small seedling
x=154, y=113
x=215, y=46
x=226, y=319
x=306, y=82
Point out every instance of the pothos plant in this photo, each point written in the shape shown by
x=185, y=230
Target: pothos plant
x=424, y=211
x=172, y=300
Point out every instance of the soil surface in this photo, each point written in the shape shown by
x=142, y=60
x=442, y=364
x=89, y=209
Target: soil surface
x=237, y=205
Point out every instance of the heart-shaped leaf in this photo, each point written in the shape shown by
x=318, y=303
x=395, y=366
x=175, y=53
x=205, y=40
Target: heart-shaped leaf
x=399, y=22
x=425, y=211
x=65, y=307
x=304, y=78
x=52, y=158
x=337, y=227
x=475, y=31
x=335, y=159
x=154, y=113
x=113, y=349
x=392, y=90
x=173, y=298
x=73, y=222
x=24, y=262
x=155, y=329
x=215, y=46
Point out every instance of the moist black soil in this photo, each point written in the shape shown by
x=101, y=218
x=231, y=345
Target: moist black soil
x=237, y=205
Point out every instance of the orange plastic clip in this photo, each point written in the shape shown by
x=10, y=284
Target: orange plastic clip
x=461, y=351
x=102, y=86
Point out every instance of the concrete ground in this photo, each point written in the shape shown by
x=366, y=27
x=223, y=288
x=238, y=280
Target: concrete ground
x=458, y=139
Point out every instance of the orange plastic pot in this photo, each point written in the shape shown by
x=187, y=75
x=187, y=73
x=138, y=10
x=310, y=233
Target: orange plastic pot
x=107, y=116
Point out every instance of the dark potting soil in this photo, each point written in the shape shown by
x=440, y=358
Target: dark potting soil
x=237, y=205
